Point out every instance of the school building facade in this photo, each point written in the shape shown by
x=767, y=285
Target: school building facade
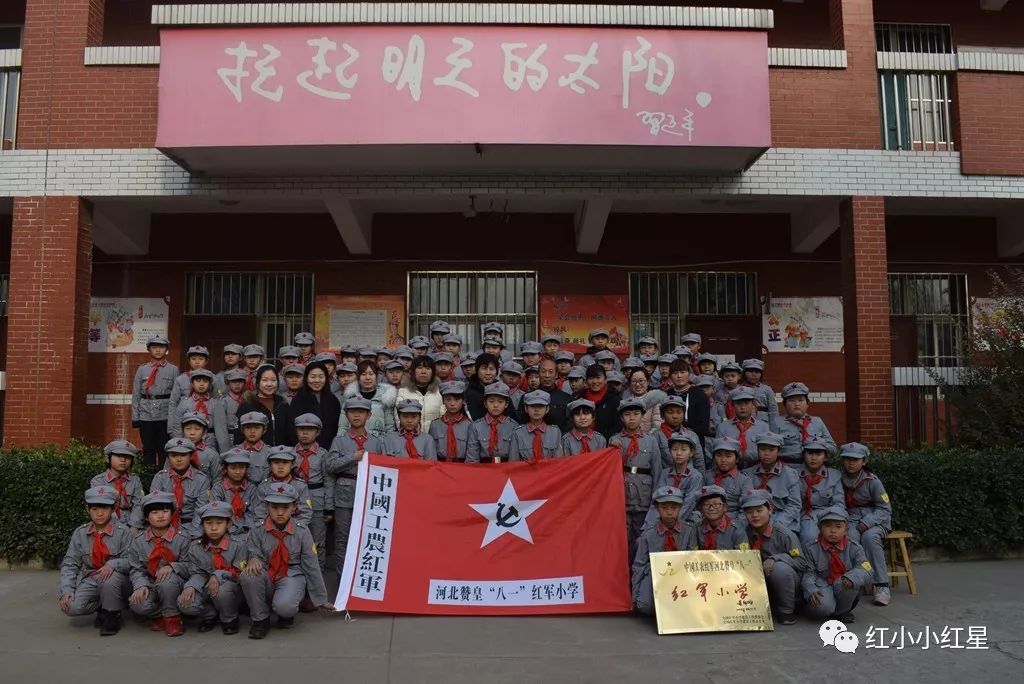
x=730, y=168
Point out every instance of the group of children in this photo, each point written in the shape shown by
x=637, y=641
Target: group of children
x=238, y=522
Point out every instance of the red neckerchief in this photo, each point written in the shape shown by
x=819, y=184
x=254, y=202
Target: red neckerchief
x=633, y=449
x=217, y=552
x=742, y=427
x=836, y=566
x=492, y=442
x=677, y=477
x=237, y=502
x=596, y=397
x=584, y=440
x=305, y=455
x=667, y=430
x=160, y=552
x=811, y=481
x=360, y=440
x=803, y=424
x=670, y=537
x=758, y=537
x=200, y=403
x=279, y=557
x=719, y=475
x=766, y=476
x=179, y=492
x=410, y=444
x=450, y=422
x=711, y=532
x=236, y=397
x=119, y=482
x=538, y=440
x=255, y=446
x=848, y=493
x=155, y=367
x=100, y=552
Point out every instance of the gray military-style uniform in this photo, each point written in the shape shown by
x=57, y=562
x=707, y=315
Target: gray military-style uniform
x=479, y=438
x=792, y=432
x=641, y=471
x=823, y=495
x=132, y=497
x=783, y=483
x=201, y=568
x=438, y=431
x=195, y=488
x=321, y=494
x=867, y=502
x=521, y=446
x=193, y=403
x=835, y=599
x=767, y=406
x=699, y=459
x=222, y=491
x=225, y=420
x=734, y=483
x=78, y=576
x=652, y=540
x=282, y=595
x=689, y=482
x=259, y=467
x=163, y=596
x=305, y=511
x=756, y=430
x=152, y=405
x=394, y=445
x=341, y=463
x=729, y=535
x=572, y=442
x=181, y=387
x=782, y=546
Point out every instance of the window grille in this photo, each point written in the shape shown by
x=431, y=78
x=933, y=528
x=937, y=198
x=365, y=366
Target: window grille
x=659, y=303
x=938, y=303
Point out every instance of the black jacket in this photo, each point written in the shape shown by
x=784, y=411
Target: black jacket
x=606, y=416
x=698, y=411
x=326, y=406
x=474, y=397
x=558, y=412
x=280, y=417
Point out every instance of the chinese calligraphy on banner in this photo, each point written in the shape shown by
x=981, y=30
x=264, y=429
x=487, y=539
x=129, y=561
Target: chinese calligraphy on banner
x=442, y=84
x=803, y=324
x=361, y=321
x=572, y=317
x=119, y=324
x=464, y=539
x=710, y=591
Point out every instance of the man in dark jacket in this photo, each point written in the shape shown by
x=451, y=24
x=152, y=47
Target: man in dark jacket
x=558, y=415
x=696, y=406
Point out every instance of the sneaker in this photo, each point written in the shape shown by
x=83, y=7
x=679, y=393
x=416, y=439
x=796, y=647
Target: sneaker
x=229, y=627
x=882, y=596
x=787, y=619
x=285, y=622
x=259, y=629
x=207, y=625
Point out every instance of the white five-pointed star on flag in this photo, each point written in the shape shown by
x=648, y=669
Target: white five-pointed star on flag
x=507, y=514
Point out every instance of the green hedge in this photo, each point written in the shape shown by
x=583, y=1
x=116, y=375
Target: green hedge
x=41, y=499
x=964, y=501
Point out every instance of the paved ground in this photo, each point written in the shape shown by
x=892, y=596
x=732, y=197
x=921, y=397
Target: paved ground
x=38, y=644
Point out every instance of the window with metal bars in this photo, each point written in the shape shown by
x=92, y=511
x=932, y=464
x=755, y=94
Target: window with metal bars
x=938, y=303
x=467, y=300
x=10, y=80
x=660, y=303
x=281, y=302
x=5, y=282
x=916, y=106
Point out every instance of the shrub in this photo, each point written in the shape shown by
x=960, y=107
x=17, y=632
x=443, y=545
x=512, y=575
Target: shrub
x=41, y=499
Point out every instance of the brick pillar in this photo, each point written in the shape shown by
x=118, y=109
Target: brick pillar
x=852, y=23
x=869, y=399
x=48, y=320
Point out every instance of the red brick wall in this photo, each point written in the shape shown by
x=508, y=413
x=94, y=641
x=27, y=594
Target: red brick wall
x=969, y=24
x=866, y=322
x=48, y=313
x=832, y=107
x=991, y=113
x=65, y=104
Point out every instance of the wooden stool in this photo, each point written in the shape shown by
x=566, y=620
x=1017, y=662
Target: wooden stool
x=899, y=557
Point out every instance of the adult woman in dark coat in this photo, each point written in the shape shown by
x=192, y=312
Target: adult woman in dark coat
x=606, y=401
x=315, y=396
x=265, y=399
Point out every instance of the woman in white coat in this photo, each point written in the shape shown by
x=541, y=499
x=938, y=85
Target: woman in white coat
x=422, y=385
x=638, y=386
x=382, y=396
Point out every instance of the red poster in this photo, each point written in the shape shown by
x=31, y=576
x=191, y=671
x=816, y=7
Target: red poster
x=488, y=539
x=574, y=316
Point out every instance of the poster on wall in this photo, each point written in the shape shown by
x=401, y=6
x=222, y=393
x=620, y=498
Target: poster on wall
x=803, y=324
x=359, y=320
x=574, y=316
x=123, y=324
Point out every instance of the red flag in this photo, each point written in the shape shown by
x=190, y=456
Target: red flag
x=493, y=539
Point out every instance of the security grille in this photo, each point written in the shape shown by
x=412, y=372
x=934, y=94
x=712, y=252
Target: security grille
x=938, y=303
x=467, y=300
x=915, y=105
x=281, y=302
x=659, y=303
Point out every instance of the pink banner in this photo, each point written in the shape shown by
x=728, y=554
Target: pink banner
x=344, y=85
